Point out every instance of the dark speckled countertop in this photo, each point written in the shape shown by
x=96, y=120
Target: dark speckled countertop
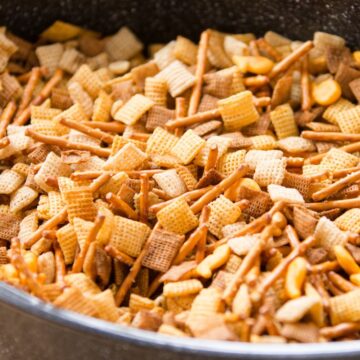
x=162, y=20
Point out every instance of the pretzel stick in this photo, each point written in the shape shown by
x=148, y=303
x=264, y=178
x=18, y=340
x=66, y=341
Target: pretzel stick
x=269, y=49
x=136, y=174
x=295, y=162
x=100, y=181
x=219, y=188
x=52, y=181
x=154, y=285
x=305, y=85
x=193, y=119
x=49, y=224
x=321, y=176
x=280, y=269
x=329, y=136
x=340, y=282
x=317, y=281
x=341, y=173
x=89, y=266
x=121, y=205
x=348, y=148
x=261, y=102
x=190, y=243
x=188, y=196
x=79, y=261
x=4, y=142
x=257, y=81
x=324, y=267
x=119, y=255
x=204, y=218
x=161, y=194
x=332, y=287
x=128, y=281
x=292, y=236
x=335, y=187
x=180, y=112
x=111, y=126
x=24, y=78
x=18, y=261
x=139, y=136
x=95, y=133
x=292, y=58
x=56, y=140
x=144, y=198
x=44, y=94
x=332, y=332
x=86, y=175
x=255, y=226
x=212, y=158
x=200, y=71
x=6, y=117
x=49, y=234
x=59, y=263
x=29, y=89
x=246, y=265
x=31, y=279
x=327, y=205
x=254, y=273
x=254, y=51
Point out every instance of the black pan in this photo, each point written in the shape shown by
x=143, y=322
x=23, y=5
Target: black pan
x=33, y=330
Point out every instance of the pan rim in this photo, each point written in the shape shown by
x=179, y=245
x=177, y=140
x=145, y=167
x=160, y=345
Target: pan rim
x=24, y=302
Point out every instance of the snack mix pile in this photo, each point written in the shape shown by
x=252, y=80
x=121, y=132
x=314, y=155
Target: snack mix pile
x=210, y=190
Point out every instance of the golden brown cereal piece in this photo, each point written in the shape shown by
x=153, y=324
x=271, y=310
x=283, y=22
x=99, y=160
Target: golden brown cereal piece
x=129, y=235
x=170, y=182
x=80, y=203
x=344, y=308
x=270, y=172
x=72, y=299
x=123, y=45
x=66, y=237
x=216, y=53
x=9, y=226
x=349, y=221
x=222, y=145
x=242, y=245
x=281, y=193
x=238, y=110
x=177, y=77
x=185, y=50
x=161, y=142
x=282, y=117
x=333, y=110
x=295, y=309
x=102, y=107
x=22, y=198
x=177, y=217
x=162, y=249
x=188, y=147
x=344, y=75
x=128, y=157
x=337, y=159
x=328, y=235
x=50, y=56
x=158, y=116
x=349, y=120
x=222, y=212
x=132, y=111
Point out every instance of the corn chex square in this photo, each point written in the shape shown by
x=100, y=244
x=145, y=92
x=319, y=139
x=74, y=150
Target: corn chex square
x=177, y=217
x=129, y=236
